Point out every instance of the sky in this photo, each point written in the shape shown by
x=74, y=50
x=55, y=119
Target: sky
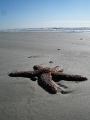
x=44, y=13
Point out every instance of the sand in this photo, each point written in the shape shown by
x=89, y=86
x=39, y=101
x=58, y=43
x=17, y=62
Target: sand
x=24, y=99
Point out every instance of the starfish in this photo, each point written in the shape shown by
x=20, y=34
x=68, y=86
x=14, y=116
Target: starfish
x=45, y=76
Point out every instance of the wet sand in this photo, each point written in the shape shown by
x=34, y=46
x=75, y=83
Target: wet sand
x=24, y=99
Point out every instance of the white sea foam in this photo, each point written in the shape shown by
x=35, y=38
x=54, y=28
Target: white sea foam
x=53, y=29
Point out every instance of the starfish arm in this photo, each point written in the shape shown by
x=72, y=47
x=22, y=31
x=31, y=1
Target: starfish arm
x=45, y=80
x=24, y=74
x=37, y=67
x=68, y=77
x=57, y=69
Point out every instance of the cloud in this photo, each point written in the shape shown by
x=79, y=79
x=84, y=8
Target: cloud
x=68, y=22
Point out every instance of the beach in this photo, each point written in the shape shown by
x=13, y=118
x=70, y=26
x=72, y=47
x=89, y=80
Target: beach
x=22, y=98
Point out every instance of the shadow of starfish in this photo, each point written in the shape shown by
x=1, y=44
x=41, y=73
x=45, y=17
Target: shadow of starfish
x=45, y=76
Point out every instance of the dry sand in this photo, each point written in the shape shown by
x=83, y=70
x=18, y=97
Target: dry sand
x=24, y=99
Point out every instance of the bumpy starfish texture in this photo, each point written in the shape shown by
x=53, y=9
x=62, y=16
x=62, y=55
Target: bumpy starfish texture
x=45, y=76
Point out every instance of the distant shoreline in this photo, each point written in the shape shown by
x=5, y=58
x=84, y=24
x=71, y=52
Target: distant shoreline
x=61, y=30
